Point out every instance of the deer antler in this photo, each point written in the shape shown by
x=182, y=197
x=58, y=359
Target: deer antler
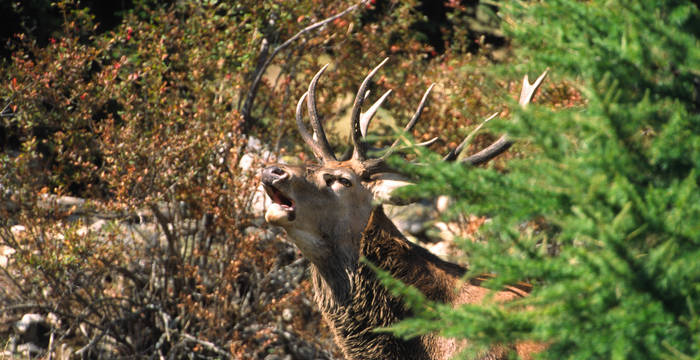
x=322, y=148
x=452, y=155
x=320, y=154
x=504, y=142
x=360, y=122
x=412, y=123
x=529, y=90
x=360, y=151
x=367, y=116
x=308, y=139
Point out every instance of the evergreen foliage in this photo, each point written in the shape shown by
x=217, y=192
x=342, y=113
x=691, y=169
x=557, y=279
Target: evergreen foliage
x=603, y=213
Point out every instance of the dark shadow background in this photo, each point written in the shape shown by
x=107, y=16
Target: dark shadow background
x=38, y=19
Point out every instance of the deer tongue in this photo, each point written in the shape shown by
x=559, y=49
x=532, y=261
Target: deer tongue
x=282, y=207
x=278, y=197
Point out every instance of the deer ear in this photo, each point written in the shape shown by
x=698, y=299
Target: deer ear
x=383, y=185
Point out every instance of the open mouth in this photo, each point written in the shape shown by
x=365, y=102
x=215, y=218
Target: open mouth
x=279, y=198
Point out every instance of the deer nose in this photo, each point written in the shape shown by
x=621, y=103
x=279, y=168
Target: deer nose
x=273, y=174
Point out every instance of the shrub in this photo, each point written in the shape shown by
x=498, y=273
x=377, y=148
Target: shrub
x=163, y=258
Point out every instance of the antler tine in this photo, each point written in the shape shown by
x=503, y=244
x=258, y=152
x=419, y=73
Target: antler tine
x=529, y=90
x=308, y=139
x=324, y=148
x=504, y=142
x=414, y=120
x=420, y=144
x=454, y=154
x=411, y=123
x=360, y=152
x=367, y=116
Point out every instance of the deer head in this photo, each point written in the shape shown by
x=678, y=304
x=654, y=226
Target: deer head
x=324, y=207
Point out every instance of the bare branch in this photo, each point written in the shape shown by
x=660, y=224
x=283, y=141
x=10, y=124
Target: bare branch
x=3, y=112
x=252, y=91
x=207, y=344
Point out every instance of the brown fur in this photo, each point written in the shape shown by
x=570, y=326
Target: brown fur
x=329, y=212
x=336, y=223
x=367, y=304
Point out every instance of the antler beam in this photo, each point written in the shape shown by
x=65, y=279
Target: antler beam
x=504, y=142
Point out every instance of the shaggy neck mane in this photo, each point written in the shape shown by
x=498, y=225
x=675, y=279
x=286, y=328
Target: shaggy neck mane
x=354, y=302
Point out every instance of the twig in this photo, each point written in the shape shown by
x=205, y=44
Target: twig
x=12, y=98
x=207, y=344
x=7, y=106
x=50, y=350
x=12, y=278
x=90, y=344
x=163, y=222
x=23, y=307
x=250, y=97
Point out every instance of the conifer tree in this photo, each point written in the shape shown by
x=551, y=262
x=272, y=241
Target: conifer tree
x=602, y=213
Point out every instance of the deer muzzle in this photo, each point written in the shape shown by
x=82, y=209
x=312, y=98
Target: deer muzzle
x=282, y=209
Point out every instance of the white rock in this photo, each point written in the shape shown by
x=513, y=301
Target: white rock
x=6, y=253
x=246, y=162
x=447, y=231
x=441, y=249
x=443, y=203
x=82, y=231
x=287, y=315
x=254, y=144
x=53, y=320
x=269, y=156
x=98, y=225
x=17, y=229
x=29, y=350
x=27, y=321
x=260, y=202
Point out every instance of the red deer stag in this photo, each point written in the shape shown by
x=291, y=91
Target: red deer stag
x=332, y=211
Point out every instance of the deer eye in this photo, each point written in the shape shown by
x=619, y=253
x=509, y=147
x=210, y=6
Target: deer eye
x=345, y=182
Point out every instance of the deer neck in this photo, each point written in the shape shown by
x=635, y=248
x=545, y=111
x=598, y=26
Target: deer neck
x=335, y=272
x=334, y=253
x=354, y=302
